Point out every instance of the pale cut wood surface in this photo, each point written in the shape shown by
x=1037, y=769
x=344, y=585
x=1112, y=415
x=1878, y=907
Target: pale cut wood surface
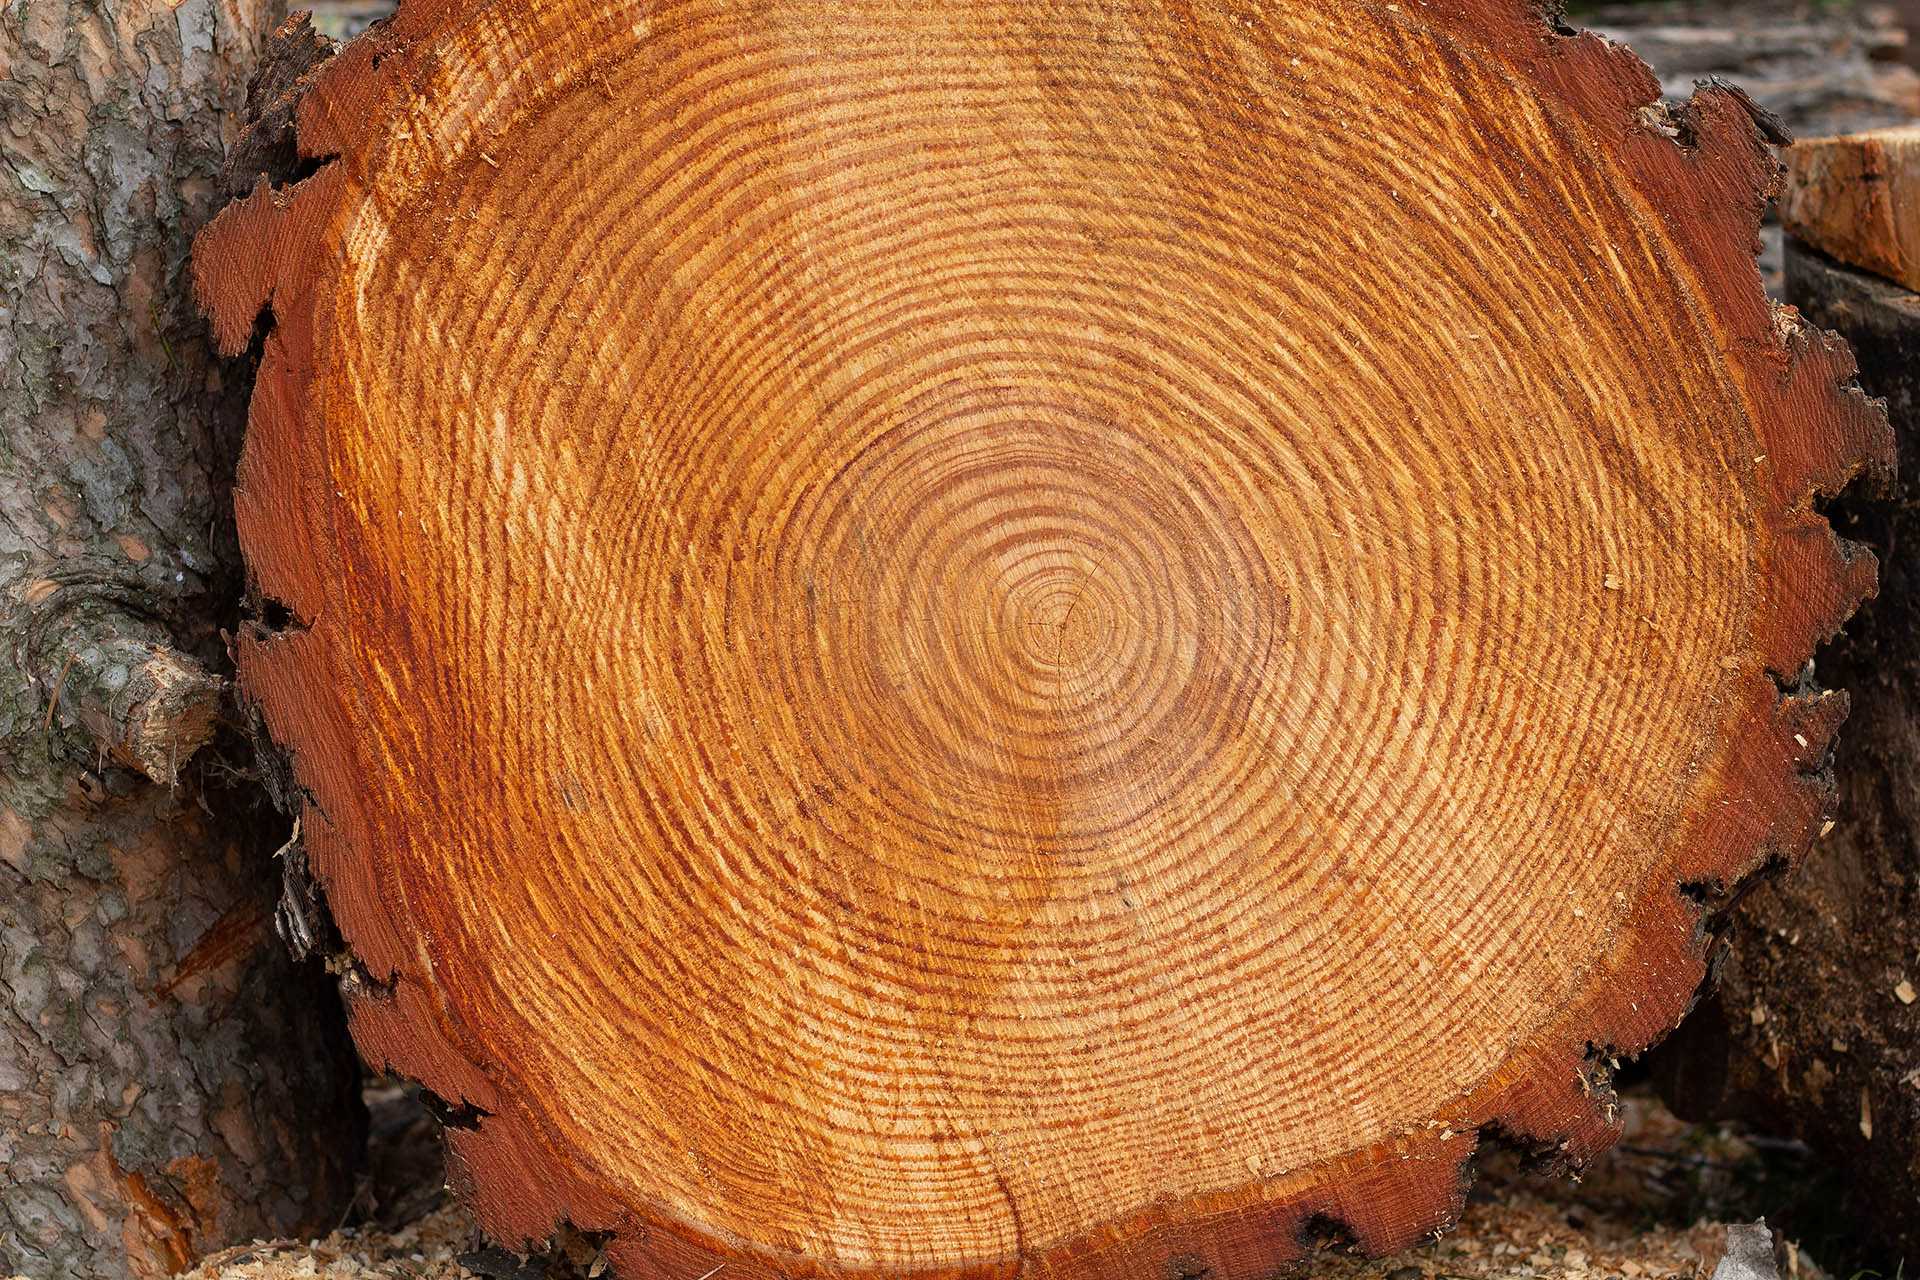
x=1856, y=198
x=987, y=639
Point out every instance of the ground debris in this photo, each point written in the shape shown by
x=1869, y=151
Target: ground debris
x=428, y=1249
x=1649, y=1210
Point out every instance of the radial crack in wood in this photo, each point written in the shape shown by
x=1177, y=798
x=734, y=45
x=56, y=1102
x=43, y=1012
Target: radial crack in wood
x=986, y=639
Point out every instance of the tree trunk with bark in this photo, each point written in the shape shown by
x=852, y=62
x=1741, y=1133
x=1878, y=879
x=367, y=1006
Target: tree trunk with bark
x=990, y=639
x=170, y=1079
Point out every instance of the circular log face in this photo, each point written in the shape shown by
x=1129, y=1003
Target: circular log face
x=1029, y=650
x=952, y=637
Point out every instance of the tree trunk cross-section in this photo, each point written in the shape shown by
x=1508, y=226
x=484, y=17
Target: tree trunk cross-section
x=970, y=639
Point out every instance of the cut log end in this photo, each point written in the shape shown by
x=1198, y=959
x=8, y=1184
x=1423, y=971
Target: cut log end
x=144, y=704
x=1069, y=640
x=166, y=713
x=1856, y=197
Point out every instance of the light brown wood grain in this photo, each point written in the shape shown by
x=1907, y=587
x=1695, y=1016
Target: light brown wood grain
x=1856, y=197
x=987, y=638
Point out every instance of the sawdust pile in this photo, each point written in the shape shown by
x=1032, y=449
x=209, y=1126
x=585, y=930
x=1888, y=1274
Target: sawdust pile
x=1644, y=1212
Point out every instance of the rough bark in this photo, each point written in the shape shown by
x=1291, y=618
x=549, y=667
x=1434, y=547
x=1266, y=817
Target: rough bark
x=1814, y=1031
x=169, y=1079
x=1070, y=640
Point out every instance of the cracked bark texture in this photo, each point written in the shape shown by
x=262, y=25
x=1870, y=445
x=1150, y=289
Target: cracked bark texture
x=170, y=1080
